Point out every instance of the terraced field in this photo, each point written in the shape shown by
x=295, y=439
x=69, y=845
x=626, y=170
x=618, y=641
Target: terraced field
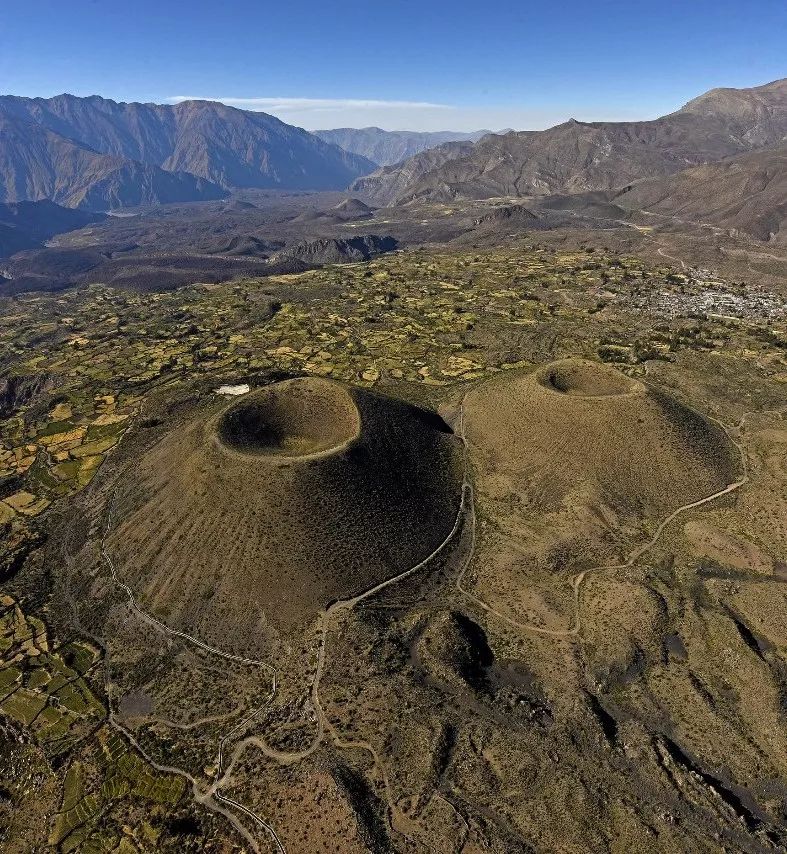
x=491, y=557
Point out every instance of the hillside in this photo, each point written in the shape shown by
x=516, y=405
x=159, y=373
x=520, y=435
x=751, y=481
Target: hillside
x=58, y=148
x=587, y=648
x=586, y=450
x=300, y=493
x=337, y=250
x=387, y=185
x=745, y=194
x=236, y=148
x=578, y=156
x=37, y=163
x=387, y=147
x=24, y=225
x=758, y=115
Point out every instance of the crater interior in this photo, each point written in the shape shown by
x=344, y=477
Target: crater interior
x=586, y=379
x=295, y=418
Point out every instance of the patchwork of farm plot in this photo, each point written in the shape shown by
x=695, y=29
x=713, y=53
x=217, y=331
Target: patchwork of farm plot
x=92, y=377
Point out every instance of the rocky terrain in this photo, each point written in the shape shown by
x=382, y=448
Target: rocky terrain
x=24, y=225
x=579, y=156
x=170, y=246
x=99, y=154
x=507, y=561
x=446, y=515
x=746, y=194
x=336, y=251
x=37, y=163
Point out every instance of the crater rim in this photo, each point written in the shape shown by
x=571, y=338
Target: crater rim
x=289, y=421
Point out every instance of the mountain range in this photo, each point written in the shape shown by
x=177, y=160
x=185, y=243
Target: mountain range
x=720, y=159
x=581, y=156
x=96, y=153
x=387, y=147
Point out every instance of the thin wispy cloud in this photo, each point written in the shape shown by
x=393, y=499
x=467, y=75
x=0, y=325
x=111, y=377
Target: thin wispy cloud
x=317, y=104
x=316, y=113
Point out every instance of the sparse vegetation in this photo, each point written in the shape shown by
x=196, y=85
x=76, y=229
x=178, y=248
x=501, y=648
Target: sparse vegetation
x=673, y=681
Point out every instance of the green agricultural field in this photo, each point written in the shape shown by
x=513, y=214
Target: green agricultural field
x=552, y=649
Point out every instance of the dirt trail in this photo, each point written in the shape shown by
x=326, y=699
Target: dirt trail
x=578, y=580
x=212, y=797
x=669, y=257
x=326, y=617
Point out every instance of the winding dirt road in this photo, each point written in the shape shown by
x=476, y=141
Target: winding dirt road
x=212, y=797
x=326, y=617
x=466, y=514
x=577, y=581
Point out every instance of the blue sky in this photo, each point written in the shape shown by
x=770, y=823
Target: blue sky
x=417, y=64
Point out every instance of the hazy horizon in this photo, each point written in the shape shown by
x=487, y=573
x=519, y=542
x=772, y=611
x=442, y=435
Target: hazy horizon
x=312, y=114
x=420, y=67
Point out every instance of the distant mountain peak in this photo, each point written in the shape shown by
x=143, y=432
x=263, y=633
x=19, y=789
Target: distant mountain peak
x=578, y=156
x=208, y=145
x=387, y=147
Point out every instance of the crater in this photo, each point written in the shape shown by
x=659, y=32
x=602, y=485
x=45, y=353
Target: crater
x=580, y=434
x=296, y=418
x=255, y=513
x=579, y=378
